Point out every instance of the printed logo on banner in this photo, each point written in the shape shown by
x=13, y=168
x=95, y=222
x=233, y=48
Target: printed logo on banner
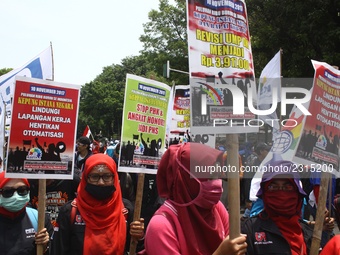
x=34, y=153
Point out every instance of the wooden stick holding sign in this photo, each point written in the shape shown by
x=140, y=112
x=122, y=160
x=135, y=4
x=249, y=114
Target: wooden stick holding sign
x=233, y=186
x=320, y=214
x=330, y=201
x=138, y=207
x=41, y=211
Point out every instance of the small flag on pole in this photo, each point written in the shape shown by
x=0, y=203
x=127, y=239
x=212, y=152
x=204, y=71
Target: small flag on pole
x=87, y=132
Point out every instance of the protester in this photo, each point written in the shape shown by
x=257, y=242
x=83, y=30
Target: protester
x=332, y=247
x=261, y=149
x=279, y=226
x=110, y=149
x=17, y=223
x=94, y=223
x=192, y=220
x=83, y=153
x=58, y=193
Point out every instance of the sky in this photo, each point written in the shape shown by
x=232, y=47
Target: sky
x=86, y=35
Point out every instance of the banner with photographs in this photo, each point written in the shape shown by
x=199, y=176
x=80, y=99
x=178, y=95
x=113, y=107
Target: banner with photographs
x=144, y=125
x=42, y=138
x=179, y=130
x=221, y=67
x=319, y=144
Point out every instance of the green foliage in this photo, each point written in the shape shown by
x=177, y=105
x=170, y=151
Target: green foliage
x=5, y=70
x=304, y=29
x=101, y=101
x=165, y=38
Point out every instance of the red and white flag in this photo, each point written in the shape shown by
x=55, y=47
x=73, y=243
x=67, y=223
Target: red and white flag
x=87, y=132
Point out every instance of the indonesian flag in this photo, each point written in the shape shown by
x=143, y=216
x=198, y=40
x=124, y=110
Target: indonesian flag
x=87, y=132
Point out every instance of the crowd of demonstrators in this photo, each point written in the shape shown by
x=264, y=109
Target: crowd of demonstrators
x=58, y=193
x=63, y=204
x=98, y=215
x=261, y=151
x=224, y=197
x=17, y=157
x=18, y=223
x=192, y=219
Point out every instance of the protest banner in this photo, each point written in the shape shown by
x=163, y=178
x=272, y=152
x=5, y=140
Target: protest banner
x=221, y=67
x=144, y=125
x=222, y=80
x=319, y=146
x=179, y=130
x=42, y=143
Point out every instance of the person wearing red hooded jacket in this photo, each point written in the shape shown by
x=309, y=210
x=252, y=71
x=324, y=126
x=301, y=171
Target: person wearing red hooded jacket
x=17, y=229
x=192, y=219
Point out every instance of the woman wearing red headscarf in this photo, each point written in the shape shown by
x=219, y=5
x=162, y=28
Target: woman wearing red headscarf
x=98, y=225
x=18, y=235
x=192, y=220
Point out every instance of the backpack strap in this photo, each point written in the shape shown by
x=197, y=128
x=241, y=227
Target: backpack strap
x=73, y=210
x=33, y=216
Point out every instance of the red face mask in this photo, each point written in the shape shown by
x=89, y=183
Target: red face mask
x=282, y=203
x=210, y=193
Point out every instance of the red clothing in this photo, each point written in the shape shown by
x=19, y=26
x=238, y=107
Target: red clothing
x=332, y=247
x=201, y=227
x=105, y=230
x=165, y=234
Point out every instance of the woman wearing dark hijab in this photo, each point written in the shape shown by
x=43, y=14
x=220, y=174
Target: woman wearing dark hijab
x=192, y=220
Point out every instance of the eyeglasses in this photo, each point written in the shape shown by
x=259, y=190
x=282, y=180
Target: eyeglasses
x=8, y=192
x=285, y=187
x=80, y=144
x=97, y=177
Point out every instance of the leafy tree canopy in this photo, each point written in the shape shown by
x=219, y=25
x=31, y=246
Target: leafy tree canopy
x=5, y=70
x=165, y=38
x=304, y=29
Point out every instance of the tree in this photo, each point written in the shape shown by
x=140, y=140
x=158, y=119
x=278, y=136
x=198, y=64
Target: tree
x=5, y=70
x=101, y=101
x=304, y=29
x=165, y=38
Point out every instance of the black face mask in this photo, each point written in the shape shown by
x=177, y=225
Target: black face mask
x=100, y=192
